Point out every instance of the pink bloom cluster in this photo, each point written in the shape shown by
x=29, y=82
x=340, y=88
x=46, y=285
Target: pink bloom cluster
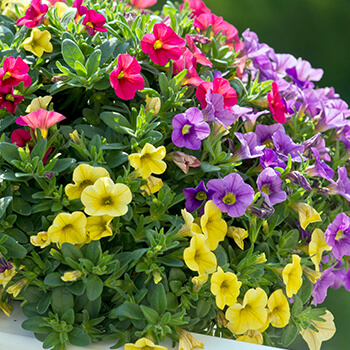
x=34, y=15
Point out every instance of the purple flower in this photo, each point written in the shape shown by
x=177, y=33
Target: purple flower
x=270, y=187
x=4, y=264
x=320, y=168
x=270, y=160
x=189, y=129
x=265, y=67
x=342, y=185
x=215, y=111
x=297, y=178
x=232, y=195
x=252, y=48
x=248, y=118
x=329, y=118
x=321, y=286
x=337, y=236
x=196, y=196
x=318, y=142
x=264, y=133
x=283, y=61
x=284, y=146
x=303, y=233
x=249, y=147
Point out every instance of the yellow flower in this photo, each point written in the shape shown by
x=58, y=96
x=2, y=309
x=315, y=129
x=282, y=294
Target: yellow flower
x=74, y=136
x=61, y=8
x=190, y=228
x=84, y=175
x=149, y=160
x=38, y=42
x=317, y=246
x=252, y=314
x=68, y=228
x=279, y=309
x=5, y=306
x=307, y=214
x=199, y=281
x=238, y=234
x=291, y=275
x=8, y=8
x=41, y=240
x=187, y=341
x=198, y=256
x=105, y=197
x=6, y=276
x=39, y=103
x=311, y=274
x=18, y=286
x=251, y=336
x=152, y=103
x=144, y=344
x=225, y=287
x=212, y=224
x=71, y=276
x=98, y=227
x=157, y=277
x=154, y=184
x=325, y=332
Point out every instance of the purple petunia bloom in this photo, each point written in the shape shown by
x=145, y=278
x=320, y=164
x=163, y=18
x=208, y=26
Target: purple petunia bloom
x=317, y=141
x=232, y=195
x=265, y=67
x=342, y=185
x=189, y=129
x=249, y=149
x=299, y=179
x=337, y=236
x=252, y=48
x=281, y=62
x=270, y=160
x=196, y=196
x=248, y=118
x=329, y=118
x=264, y=133
x=284, y=146
x=320, y=168
x=321, y=286
x=270, y=187
x=4, y=264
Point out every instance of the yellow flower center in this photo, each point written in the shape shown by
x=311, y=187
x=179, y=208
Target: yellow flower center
x=107, y=200
x=66, y=229
x=268, y=143
x=85, y=184
x=201, y=196
x=121, y=75
x=186, y=129
x=229, y=199
x=6, y=76
x=225, y=285
x=157, y=45
x=266, y=189
x=340, y=235
x=89, y=24
x=9, y=97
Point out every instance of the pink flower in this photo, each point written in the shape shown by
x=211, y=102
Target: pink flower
x=142, y=4
x=81, y=10
x=8, y=100
x=218, y=86
x=94, y=21
x=34, y=15
x=126, y=78
x=163, y=44
x=197, y=6
x=53, y=2
x=197, y=53
x=41, y=119
x=276, y=105
x=13, y=71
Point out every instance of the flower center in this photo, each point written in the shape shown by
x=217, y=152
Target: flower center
x=157, y=45
x=225, y=285
x=201, y=196
x=340, y=235
x=266, y=189
x=89, y=24
x=121, y=75
x=6, y=76
x=66, y=229
x=85, y=184
x=268, y=143
x=229, y=199
x=107, y=201
x=186, y=129
x=9, y=97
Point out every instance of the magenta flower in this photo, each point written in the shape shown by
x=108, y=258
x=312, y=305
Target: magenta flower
x=197, y=6
x=219, y=86
x=81, y=10
x=41, y=119
x=197, y=53
x=276, y=105
x=126, y=78
x=189, y=129
x=337, y=236
x=142, y=4
x=34, y=15
x=163, y=44
x=270, y=187
x=8, y=100
x=195, y=197
x=232, y=195
x=93, y=22
x=14, y=71
x=342, y=185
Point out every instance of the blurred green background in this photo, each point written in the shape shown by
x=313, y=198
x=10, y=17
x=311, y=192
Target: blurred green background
x=317, y=31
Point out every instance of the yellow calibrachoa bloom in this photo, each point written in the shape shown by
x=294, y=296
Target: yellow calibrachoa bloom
x=98, y=227
x=187, y=341
x=199, y=281
x=153, y=185
x=238, y=234
x=291, y=275
x=68, y=228
x=325, y=332
x=61, y=8
x=71, y=276
x=5, y=306
x=38, y=42
x=39, y=103
x=252, y=314
x=8, y=8
x=190, y=228
x=84, y=175
x=198, y=256
x=105, y=197
x=18, y=286
x=279, y=309
x=307, y=214
x=213, y=225
x=41, y=240
x=149, y=160
x=317, y=246
x=144, y=344
x=251, y=336
x=6, y=276
x=225, y=286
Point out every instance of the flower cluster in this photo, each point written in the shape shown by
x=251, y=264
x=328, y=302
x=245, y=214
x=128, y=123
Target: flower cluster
x=162, y=174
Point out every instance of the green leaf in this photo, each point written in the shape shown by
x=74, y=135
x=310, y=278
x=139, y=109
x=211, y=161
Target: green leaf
x=4, y=203
x=79, y=337
x=159, y=301
x=94, y=252
x=36, y=325
x=305, y=291
x=7, y=121
x=289, y=334
x=53, y=280
x=93, y=62
x=62, y=300
x=72, y=53
x=68, y=316
x=9, y=152
x=20, y=206
x=63, y=164
x=44, y=303
x=6, y=35
x=116, y=121
x=150, y=314
x=14, y=250
x=94, y=287
x=163, y=84
x=207, y=168
x=129, y=310
x=51, y=340
x=202, y=308
x=80, y=69
x=77, y=288
x=71, y=251
x=39, y=149
x=17, y=234
x=107, y=49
